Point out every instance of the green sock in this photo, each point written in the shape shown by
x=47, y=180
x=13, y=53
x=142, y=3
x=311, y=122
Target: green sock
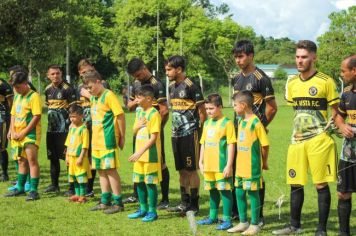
x=227, y=204
x=28, y=178
x=214, y=204
x=255, y=206
x=17, y=166
x=76, y=188
x=21, y=180
x=241, y=204
x=142, y=197
x=105, y=198
x=34, y=184
x=152, y=197
x=83, y=189
x=117, y=199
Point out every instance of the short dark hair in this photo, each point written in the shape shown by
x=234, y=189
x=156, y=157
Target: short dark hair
x=134, y=65
x=308, y=45
x=245, y=96
x=91, y=76
x=84, y=62
x=17, y=68
x=214, y=98
x=75, y=109
x=19, y=77
x=243, y=46
x=146, y=90
x=351, y=61
x=54, y=67
x=176, y=61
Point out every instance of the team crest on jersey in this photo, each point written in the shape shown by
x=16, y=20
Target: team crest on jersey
x=181, y=94
x=242, y=136
x=249, y=87
x=211, y=133
x=94, y=110
x=18, y=108
x=292, y=173
x=59, y=95
x=313, y=91
x=72, y=139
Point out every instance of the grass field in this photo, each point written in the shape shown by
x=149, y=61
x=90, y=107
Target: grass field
x=54, y=215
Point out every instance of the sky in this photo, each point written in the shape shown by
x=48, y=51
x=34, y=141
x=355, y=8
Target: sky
x=295, y=19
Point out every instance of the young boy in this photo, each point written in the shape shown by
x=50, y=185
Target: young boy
x=25, y=131
x=108, y=127
x=147, y=156
x=216, y=159
x=77, y=144
x=252, y=153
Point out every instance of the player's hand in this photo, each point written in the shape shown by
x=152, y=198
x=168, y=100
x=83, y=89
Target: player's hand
x=21, y=135
x=265, y=166
x=85, y=93
x=79, y=162
x=121, y=142
x=201, y=167
x=134, y=157
x=346, y=131
x=9, y=135
x=141, y=122
x=227, y=172
x=67, y=161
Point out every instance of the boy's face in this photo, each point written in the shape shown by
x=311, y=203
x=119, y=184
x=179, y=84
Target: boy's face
x=172, y=73
x=304, y=60
x=85, y=68
x=94, y=87
x=348, y=75
x=76, y=119
x=144, y=101
x=243, y=60
x=142, y=74
x=21, y=88
x=212, y=110
x=239, y=107
x=55, y=76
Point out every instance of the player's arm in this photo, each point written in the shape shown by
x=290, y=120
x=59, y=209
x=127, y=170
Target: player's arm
x=201, y=159
x=32, y=125
x=230, y=160
x=164, y=112
x=271, y=109
x=346, y=129
x=132, y=104
x=122, y=129
x=83, y=153
x=85, y=93
x=12, y=128
x=10, y=100
x=134, y=157
x=202, y=112
x=264, y=153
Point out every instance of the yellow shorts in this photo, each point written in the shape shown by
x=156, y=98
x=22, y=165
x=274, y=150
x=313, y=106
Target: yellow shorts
x=18, y=147
x=248, y=183
x=149, y=173
x=105, y=159
x=79, y=174
x=216, y=180
x=318, y=154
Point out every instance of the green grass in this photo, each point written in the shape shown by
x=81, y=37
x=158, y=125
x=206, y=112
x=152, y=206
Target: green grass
x=54, y=215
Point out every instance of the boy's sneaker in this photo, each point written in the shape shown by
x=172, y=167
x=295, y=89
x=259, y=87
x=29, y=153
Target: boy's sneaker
x=90, y=194
x=150, y=216
x=27, y=186
x=207, y=221
x=33, y=196
x=12, y=188
x=241, y=227
x=131, y=199
x=261, y=223
x=52, y=189
x=82, y=200
x=15, y=193
x=73, y=198
x=224, y=225
x=114, y=209
x=137, y=214
x=181, y=208
x=4, y=178
x=69, y=193
x=288, y=230
x=163, y=205
x=99, y=207
x=252, y=230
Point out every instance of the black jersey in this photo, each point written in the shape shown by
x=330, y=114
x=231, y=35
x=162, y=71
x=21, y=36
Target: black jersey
x=5, y=92
x=58, y=100
x=261, y=87
x=185, y=98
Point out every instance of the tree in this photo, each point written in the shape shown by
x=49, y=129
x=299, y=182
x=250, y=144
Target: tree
x=280, y=74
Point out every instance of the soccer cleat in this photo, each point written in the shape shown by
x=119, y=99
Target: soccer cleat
x=224, y=225
x=90, y=194
x=235, y=217
x=4, y=178
x=69, y=193
x=150, y=216
x=99, y=207
x=320, y=233
x=240, y=227
x=114, y=209
x=52, y=189
x=12, y=188
x=207, y=221
x=73, y=198
x=181, y=208
x=27, y=186
x=138, y=214
x=288, y=230
x=163, y=205
x=261, y=223
x=82, y=200
x=131, y=199
x=252, y=230
x=33, y=196
x=14, y=193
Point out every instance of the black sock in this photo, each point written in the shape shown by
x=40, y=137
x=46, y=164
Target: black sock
x=262, y=198
x=194, y=198
x=90, y=185
x=55, y=170
x=4, y=162
x=165, y=184
x=185, y=197
x=296, y=204
x=71, y=187
x=324, y=200
x=344, y=212
x=135, y=190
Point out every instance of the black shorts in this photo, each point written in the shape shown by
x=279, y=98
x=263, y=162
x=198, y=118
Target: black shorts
x=55, y=145
x=186, y=152
x=4, y=128
x=346, y=177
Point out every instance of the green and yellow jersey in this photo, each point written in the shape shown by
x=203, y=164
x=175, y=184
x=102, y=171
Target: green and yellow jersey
x=104, y=112
x=77, y=139
x=251, y=137
x=217, y=135
x=310, y=99
x=153, y=125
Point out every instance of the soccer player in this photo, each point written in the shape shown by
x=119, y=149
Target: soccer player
x=108, y=129
x=137, y=69
x=77, y=144
x=25, y=131
x=346, y=184
x=312, y=148
x=59, y=95
x=188, y=114
x=147, y=154
x=216, y=158
x=252, y=154
x=255, y=80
